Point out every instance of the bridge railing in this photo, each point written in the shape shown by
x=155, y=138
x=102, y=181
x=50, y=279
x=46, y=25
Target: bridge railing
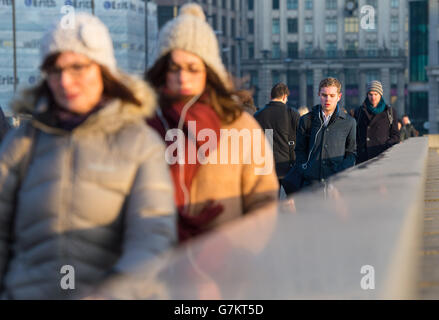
x=356, y=237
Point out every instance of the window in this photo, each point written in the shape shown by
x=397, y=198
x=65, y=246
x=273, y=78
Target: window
x=308, y=25
x=372, y=3
x=232, y=4
x=251, y=50
x=351, y=24
x=275, y=4
x=372, y=75
x=331, y=25
x=308, y=50
x=331, y=49
x=214, y=3
x=233, y=26
x=371, y=49
x=275, y=29
x=250, y=26
x=224, y=26
x=351, y=48
x=394, y=24
x=250, y=5
x=224, y=4
x=292, y=4
x=308, y=4
x=394, y=4
x=292, y=25
x=293, y=50
x=394, y=49
x=275, y=51
x=275, y=77
x=214, y=22
x=331, y=4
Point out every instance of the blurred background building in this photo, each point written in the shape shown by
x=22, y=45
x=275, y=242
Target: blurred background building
x=263, y=42
x=133, y=27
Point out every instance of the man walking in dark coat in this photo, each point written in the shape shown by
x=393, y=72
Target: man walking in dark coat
x=407, y=129
x=326, y=142
x=283, y=120
x=377, y=124
x=4, y=125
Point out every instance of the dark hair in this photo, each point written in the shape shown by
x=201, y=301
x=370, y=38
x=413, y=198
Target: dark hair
x=247, y=100
x=113, y=88
x=279, y=90
x=220, y=98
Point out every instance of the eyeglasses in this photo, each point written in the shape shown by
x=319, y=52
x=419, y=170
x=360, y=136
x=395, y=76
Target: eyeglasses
x=75, y=70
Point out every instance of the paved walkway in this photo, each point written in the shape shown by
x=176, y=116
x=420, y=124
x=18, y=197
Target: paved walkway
x=429, y=280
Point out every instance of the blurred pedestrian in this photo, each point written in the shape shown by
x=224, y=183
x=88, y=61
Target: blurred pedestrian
x=4, y=125
x=377, y=124
x=196, y=98
x=407, y=130
x=247, y=101
x=303, y=110
x=83, y=183
x=283, y=120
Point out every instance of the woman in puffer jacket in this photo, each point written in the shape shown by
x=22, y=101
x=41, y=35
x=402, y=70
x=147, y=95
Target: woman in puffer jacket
x=84, y=190
x=220, y=160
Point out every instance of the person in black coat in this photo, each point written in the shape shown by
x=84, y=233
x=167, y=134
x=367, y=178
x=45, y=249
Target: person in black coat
x=377, y=124
x=284, y=121
x=407, y=129
x=326, y=138
x=4, y=125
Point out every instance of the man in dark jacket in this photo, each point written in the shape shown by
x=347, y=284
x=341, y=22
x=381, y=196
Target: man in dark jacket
x=407, y=129
x=4, y=125
x=283, y=120
x=377, y=124
x=326, y=138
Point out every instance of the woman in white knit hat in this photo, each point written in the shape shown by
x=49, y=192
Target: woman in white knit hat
x=196, y=98
x=85, y=191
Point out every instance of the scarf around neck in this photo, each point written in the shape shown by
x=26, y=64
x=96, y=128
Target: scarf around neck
x=169, y=117
x=379, y=108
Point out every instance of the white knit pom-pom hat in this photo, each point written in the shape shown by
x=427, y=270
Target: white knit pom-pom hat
x=87, y=35
x=190, y=32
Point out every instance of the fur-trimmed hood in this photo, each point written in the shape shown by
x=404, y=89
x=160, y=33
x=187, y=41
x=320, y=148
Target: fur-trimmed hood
x=30, y=102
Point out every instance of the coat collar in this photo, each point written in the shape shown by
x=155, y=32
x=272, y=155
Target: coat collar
x=337, y=113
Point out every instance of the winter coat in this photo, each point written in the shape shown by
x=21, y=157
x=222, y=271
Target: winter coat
x=284, y=121
x=375, y=134
x=239, y=187
x=230, y=176
x=323, y=151
x=98, y=198
x=408, y=131
x=4, y=125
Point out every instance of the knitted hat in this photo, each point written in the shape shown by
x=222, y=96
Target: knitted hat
x=86, y=35
x=190, y=32
x=375, y=86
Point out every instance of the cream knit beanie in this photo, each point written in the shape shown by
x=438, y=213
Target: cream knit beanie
x=86, y=35
x=190, y=32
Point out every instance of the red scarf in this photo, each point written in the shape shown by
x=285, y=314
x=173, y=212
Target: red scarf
x=205, y=118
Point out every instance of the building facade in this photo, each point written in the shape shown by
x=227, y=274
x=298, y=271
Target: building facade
x=433, y=67
x=302, y=41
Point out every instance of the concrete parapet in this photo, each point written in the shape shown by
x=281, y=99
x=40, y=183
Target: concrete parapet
x=356, y=237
